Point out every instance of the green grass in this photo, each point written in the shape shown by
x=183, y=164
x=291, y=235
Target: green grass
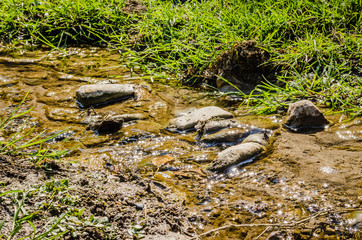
x=23, y=143
x=54, y=204
x=306, y=39
x=60, y=23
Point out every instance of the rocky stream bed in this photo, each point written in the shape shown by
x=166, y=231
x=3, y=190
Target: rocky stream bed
x=164, y=161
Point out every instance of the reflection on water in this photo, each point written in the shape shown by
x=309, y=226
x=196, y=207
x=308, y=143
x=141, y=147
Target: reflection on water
x=349, y=135
x=328, y=170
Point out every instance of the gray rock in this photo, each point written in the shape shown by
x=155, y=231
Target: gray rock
x=184, y=112
x=139, y=206
x=304, y=115
x=260, y=138
x=214, y=126
x=236, y=154
x=94, y=94
x=229, y=89
x=107, y=125
x=226, y=135
x=190, y=120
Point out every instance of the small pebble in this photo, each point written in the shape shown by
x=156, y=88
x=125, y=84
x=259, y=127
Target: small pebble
x=103, y=220
x=139, y=206
x=207, y=209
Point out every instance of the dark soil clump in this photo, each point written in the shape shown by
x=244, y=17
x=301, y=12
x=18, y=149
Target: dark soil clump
x=244, y=66
x=134, y=6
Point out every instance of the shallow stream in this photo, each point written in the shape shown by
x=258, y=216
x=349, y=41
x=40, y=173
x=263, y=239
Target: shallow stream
x=300, y=175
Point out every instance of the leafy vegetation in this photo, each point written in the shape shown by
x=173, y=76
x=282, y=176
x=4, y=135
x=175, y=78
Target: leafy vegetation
x=23, y=143
x=52, y=201
x=315, y=46
x=20, y=144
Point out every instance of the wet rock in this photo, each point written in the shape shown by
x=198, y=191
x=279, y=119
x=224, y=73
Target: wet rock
x=107, y=125
x=142, y=128
x=259, y=138
x=70, y=115
x=95, y=94
x=184, y=112
x=226, y=136
x=92, y=141
x=214, y=126
x=355, y=218
x=236, y=154
x=190, y=120
x=60, y=99
x=227, y=88
x=131, y=117
x=304, y=115
x=6, y=81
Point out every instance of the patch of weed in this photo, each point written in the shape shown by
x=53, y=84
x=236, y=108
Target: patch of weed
x=52, y=202
x=21, y=144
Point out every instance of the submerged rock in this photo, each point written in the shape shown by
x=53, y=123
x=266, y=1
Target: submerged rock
x=69, y=115
x=107, y=125
x=111, y=124
x=236, y=154
x=226, y=136
x=94, y=94
x=250, y=147
x=190, y=120
x=131, y=117
x=304, y=115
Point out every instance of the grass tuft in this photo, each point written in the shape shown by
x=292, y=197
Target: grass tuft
x=19, y=143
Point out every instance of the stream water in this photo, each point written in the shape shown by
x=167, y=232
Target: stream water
x=301, y=175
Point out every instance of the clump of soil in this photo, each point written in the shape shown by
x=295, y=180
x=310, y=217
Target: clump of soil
x=243, y=66
x=134, y=6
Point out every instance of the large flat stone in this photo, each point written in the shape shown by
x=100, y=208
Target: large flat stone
x=190, y=120
x=95, y=94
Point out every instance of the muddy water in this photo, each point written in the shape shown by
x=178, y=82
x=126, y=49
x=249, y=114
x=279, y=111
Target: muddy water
x=301, y=175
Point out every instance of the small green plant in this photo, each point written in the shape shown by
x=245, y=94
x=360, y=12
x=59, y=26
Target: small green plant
x=12, y=146
x=22, y=217
x=137, y=231
x=53, y=203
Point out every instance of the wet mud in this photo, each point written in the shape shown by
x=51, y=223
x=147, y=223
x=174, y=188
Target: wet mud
x=314, y=177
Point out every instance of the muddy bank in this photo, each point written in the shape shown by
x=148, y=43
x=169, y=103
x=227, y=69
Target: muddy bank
x=113, y=206
x=145, y=174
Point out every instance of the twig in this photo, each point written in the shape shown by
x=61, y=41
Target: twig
x=285, y=225
x=265, y=230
